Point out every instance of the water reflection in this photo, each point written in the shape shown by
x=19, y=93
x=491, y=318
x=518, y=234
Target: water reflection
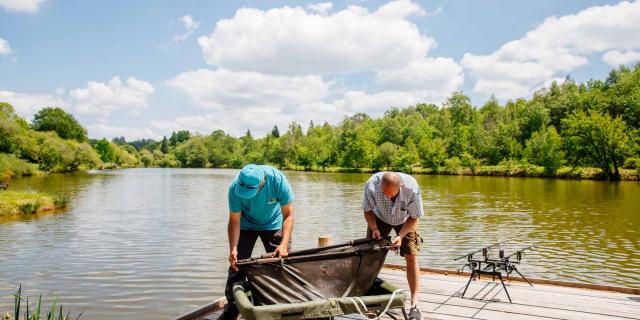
x=151, y=243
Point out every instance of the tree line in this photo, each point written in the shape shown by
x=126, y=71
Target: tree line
x=567, y=125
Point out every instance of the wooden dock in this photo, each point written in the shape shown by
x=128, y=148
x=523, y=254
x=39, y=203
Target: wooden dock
x=440, y=299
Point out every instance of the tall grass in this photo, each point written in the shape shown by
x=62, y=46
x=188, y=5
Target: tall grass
x=17, y=203
x=11, y=166
x=56, y=311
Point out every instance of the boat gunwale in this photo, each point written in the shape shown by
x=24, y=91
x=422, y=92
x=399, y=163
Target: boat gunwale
x=204, y=310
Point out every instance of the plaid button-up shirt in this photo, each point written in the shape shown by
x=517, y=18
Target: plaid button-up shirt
x=408, y=201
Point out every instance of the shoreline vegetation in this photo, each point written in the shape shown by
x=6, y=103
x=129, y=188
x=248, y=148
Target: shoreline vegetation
x=23, y=311
x=568, y=130
x=15, y=204
x=508, y=170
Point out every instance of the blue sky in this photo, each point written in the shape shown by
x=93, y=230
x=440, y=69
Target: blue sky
x=145, y=68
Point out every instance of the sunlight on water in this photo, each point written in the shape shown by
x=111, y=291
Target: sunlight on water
x=151, y=243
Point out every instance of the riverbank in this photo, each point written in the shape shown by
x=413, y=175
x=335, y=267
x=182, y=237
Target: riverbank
x=11, y=166
x=21, y=203
x=519, y=170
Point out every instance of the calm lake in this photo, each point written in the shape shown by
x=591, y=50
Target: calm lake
x=152, y=243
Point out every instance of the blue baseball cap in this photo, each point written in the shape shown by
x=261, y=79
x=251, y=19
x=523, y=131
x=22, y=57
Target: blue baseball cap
x=248, y=181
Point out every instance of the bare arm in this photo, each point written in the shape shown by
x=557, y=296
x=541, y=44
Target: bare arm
x=371, y=220
x=287, y=227
x=233, y=231
x=371, y=223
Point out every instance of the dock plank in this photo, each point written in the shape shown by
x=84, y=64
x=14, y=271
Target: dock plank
x=440, y=300
x=538, y=302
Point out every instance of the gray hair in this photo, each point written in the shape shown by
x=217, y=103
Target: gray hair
x=391, y=179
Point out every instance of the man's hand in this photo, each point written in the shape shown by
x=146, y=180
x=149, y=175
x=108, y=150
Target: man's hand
x=376, y=233
x=397, y=241
x=233, y=259
x=282, y=250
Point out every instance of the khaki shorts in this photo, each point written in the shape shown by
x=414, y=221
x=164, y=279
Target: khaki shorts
x=411, y=243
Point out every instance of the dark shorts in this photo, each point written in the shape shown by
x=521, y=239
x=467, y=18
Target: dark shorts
x=411, y=243
x=270, y=240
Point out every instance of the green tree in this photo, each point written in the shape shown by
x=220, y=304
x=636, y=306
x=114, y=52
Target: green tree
x=597, y=139
x=462, y=112
x=623, y=85
x=178, y=137
x=391, y=131
x=460, y=141
x=355, y=153
x=386, y=156
x=408, y=156
x=146, y=158
x=544, y=148
x=275, y=132
x=164, y=147
x=119, y=141
x=433, y=152
x=105, y=150
x=59, y=121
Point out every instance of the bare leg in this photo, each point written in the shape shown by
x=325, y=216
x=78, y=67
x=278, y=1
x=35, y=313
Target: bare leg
x=413, y=277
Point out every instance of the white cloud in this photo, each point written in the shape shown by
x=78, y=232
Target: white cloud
x=281, y=65
x=102, y=130
x=5, y=49
x=29, y=6
x=190, y=26
x=399, y=10
x=321, y=8
x=555, y=47
x=261, y=118
x=233, y=121
x=436, y=74
x=375, y=104
x=294, y=41
x=103, y=98
x=224, y=88
x=616, y=58
x=27, y=104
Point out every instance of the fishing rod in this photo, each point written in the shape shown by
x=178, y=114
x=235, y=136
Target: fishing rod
x=484, y=250
x=518, y=253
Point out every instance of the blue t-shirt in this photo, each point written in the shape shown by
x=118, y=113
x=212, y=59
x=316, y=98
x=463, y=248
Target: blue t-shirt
x=263, y=212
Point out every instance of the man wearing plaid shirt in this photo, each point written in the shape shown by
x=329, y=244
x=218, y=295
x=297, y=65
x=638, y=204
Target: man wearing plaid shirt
x=392, y=200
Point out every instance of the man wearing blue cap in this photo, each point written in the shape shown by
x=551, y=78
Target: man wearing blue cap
x=260, y=206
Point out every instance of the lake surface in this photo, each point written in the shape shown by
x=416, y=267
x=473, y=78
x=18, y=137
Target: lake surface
x=152, y=243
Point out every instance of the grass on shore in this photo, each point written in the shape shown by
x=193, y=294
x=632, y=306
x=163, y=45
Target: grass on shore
x=509, y=170
x=11, y=166
x=18, y=203
x=21, y=307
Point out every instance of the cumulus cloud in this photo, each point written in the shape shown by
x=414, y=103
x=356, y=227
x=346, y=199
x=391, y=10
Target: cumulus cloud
x=103, y=98
x=29, y=6
x=616, y=58
x=190, y=26
x=5, y=49
x=280, y=65
x=261, y=118
x=271, y=67
x=437, y=74
x=399, y=10
x=555, y=47
x=222, y=87
x=321, y=8
x=27, y=104
x=232, y=121
x=296, y=42
x=102, y=130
